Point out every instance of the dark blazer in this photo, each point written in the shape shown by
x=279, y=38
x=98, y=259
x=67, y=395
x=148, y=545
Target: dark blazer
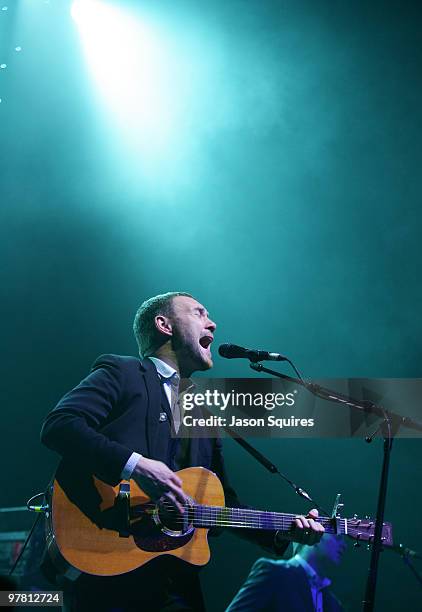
x=279, y=585
x=115, y=411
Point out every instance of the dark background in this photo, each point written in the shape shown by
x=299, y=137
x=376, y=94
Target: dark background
x=284, y=194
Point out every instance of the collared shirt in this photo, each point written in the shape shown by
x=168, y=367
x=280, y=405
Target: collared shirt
x=166, y=372
x=316, y=582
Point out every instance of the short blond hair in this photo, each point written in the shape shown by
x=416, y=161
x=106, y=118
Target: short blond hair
x=147, y=336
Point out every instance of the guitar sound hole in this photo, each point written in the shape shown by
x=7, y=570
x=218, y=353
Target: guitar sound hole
x=173, y=522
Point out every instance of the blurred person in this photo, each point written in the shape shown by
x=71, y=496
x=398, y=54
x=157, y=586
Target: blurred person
x=299, y=584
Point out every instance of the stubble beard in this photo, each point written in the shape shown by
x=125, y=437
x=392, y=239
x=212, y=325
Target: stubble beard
x=189, y=354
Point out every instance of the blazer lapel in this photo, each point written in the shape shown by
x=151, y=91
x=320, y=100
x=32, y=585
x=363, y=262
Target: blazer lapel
x=153, y=387
x=194, y=441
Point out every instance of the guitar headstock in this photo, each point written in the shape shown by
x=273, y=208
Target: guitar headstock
x=363, y=530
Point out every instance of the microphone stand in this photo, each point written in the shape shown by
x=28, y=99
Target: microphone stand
x=389, y=427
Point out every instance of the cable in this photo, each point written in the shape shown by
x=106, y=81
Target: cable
x=41, y=508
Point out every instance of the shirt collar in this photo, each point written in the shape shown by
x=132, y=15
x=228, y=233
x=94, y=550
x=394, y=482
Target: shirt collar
x=164, y=369
x=166, y=372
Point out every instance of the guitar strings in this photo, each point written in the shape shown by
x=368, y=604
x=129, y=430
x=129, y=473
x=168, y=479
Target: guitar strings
x=240, y=517
x=249, y=525
x=282, y=525
x=213, y=516
x=211, y=512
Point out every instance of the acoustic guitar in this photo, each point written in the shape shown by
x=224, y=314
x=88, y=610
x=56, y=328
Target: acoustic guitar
x=130, y=530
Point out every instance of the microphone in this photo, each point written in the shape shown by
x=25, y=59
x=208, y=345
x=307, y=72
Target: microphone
x=233, y=351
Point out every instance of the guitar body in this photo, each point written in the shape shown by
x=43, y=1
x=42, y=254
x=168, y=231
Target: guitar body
x=95, y=546
x=94, y=528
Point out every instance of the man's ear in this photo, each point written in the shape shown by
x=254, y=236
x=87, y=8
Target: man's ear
x=163, y=325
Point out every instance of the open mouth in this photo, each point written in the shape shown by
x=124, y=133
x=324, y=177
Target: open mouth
x=205, y=341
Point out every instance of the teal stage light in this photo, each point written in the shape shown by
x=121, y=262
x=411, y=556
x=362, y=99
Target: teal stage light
x=128, y=66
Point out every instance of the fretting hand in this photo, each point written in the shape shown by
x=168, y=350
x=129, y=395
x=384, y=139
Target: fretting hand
x=304, y=530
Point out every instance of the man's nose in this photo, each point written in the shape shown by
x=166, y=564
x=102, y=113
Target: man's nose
x=211, y=326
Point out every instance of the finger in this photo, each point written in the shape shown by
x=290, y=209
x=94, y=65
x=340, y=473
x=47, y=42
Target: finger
x=313, y=513
x=170, y=498
x=176, y=480
x=179, y=494
x=302, y=522
x=315, y=526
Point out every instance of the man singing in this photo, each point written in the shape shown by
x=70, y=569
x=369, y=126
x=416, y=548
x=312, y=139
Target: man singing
x=117, y=424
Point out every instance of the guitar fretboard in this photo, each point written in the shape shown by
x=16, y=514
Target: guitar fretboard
x=215, y=516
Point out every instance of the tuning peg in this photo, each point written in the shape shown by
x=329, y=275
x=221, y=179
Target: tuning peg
x=357, y=543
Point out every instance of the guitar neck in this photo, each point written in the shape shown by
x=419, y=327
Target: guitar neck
x=213, y=516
